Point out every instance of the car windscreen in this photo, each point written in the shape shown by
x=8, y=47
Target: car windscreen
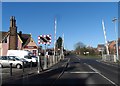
x=28, y=57
x=17, y=59
x=4, y=58
x=33, y=56
x=0, y=57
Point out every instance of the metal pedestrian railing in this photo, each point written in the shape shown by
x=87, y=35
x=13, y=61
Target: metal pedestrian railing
x=110, y=58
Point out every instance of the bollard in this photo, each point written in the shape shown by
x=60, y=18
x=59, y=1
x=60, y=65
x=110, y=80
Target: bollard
x=10, y=69
x=31, y=65
x=38, y=65
x=41, y=64
x=23, y=67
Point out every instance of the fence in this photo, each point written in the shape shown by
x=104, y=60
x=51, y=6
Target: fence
x=50, y=60
x=110, y=58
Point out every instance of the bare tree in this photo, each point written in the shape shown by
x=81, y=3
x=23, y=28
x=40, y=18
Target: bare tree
x=79, y=45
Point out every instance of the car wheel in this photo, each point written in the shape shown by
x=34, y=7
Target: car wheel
x=18, y=66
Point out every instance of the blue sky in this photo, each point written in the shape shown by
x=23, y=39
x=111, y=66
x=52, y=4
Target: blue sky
x=79, y=21
x=60, y=0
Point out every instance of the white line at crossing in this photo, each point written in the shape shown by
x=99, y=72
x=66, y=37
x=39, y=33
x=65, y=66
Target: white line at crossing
x=77, y=72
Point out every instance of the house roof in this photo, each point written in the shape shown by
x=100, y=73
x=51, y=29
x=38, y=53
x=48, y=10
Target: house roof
x=109, y=42
x=101, y=45
x=3, y=34
x=24, y=37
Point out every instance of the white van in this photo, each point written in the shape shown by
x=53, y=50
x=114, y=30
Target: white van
x=21, y=54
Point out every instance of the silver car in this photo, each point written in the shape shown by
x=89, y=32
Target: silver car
x=5, y=61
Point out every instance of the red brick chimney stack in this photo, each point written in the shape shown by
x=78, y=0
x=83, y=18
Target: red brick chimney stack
x=13, y=34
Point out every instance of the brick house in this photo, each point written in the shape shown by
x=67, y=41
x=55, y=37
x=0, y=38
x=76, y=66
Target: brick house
x=12, y=40
x=112, y=47
x=100, y=47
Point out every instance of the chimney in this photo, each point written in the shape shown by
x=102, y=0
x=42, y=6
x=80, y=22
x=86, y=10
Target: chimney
x=20, y=33
x=13, y=34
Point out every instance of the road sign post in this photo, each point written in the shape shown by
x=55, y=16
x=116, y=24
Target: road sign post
x=45, y=59
x=44, y=39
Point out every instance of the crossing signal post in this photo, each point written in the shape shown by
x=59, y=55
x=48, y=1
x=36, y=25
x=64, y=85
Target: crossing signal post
x=44, y=39
x=40, y=68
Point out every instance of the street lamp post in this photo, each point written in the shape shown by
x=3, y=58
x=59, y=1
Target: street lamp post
x=114, y=20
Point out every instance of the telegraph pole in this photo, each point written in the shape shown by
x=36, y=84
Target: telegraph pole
x=114, y=21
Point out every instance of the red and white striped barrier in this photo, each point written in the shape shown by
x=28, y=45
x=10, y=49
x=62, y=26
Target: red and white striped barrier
x=44, y=39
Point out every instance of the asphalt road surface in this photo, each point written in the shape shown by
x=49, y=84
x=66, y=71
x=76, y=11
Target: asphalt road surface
x=74, y=71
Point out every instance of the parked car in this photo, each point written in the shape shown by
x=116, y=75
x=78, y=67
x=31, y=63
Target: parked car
x=21, y=54
x=16, y=62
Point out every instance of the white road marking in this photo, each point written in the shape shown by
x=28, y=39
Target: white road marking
x=107, y=79
x=4, y=73
x=92, y=68
x=68, y=60
x=77, y=58
x=77, y=72
x=101, y=74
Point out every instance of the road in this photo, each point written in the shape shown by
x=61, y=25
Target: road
x=88, y=71
x=73, y=71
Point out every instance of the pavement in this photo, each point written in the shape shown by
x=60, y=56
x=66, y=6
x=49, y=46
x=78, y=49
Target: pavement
x=73, y=71
x=16, y=73
x=23, y=79
x=115, y=64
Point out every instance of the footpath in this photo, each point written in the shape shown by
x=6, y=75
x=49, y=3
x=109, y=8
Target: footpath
x=32, y=72
x=99, y=59
x=114, y=64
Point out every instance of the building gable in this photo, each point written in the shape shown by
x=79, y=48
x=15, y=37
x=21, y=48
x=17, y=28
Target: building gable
x=30, y=44
x=4, y=36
